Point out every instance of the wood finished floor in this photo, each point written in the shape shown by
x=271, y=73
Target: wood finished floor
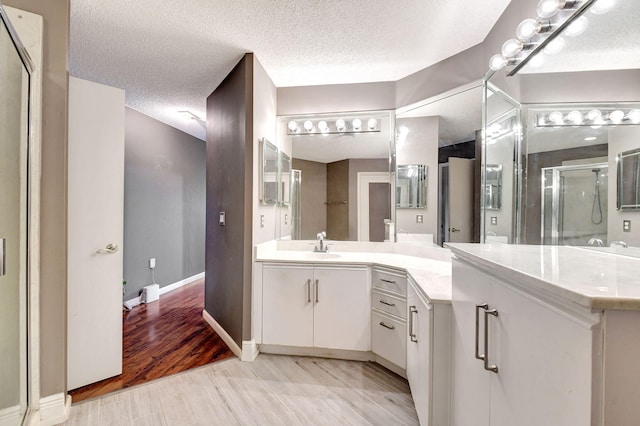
x=273, y=390
x=162, y=338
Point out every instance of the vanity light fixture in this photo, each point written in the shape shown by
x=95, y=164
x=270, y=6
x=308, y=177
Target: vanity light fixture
x=595, y=118
x=603, y=6
x=616, y=116
x=356, y=124
x=577, y=27
x=340, y=125
x=308, y=125
x=575, y=117
x=293, y=126
x=555, y=46
x=634, y=116
x=372, y=123
x=324, y=126
x=529, y=28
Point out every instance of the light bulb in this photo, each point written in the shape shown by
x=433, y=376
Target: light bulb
x=555, y=46
x=293, y=126
x=556, y=118
x=356, y=124
x=601, y=7
x=536, y=61
x=511, y=47
x=497, y=62
x=548, y=8
x=575, y=117
x=322, y=126
x=634, y=116
x=616, y=116
x=308, y=125
x=594, y=115
x=340, y=124
x=372, y=123
x=541, y=120
x=577, y=27
x=527, y=29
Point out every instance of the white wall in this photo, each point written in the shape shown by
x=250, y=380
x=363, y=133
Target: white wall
x=420, y=147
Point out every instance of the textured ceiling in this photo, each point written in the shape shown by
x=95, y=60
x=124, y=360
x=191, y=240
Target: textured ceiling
x=171, y=55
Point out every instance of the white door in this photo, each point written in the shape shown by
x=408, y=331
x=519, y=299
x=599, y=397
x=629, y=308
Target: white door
x=95, y=232
x=461, y=177
x=364, y=179
x=287, y=305
x=342, y=308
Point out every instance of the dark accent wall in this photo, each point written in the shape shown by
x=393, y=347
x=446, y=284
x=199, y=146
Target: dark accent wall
x=535, y=163
x=164, y=203
x=313, y=196
x=229, y=188
x=338, y=200
x=458, y=150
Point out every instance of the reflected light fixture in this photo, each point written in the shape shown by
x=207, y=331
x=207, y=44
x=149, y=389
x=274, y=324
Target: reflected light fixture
x=634, y=116
x=372, y=123
x=577, y=27
x=601, y=7
x=616, y=116
x=308, y=125
x=594, y=118
x=323, y=126
x=575, y=117
x=293, y=126
x=556, y=118
x=555, y=46
x=356, y=124
x=340, y=125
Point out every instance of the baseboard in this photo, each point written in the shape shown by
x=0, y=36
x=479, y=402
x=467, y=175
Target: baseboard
x=318, y=352
x=223, y=334
x=167, y=288
x=250, y=350
x=54, y=409
x=10, y=416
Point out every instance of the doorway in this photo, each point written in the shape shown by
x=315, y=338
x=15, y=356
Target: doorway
x=373, y=226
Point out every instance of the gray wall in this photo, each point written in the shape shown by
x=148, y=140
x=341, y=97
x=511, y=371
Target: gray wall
x=313, y=210
x=53, y=219
x=164, y=203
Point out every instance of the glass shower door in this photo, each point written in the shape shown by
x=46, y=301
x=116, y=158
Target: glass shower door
x=574, y=205
x=14, y=116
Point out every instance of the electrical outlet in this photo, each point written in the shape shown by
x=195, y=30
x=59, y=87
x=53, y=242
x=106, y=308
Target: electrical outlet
x=261, y=221
x=626, y=225
x=152, y=263
x=494, y=220
x=419, y=218
x=286, y=218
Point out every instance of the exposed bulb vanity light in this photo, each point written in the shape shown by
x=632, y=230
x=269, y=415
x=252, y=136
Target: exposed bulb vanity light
x=575, y=117
x=634, y=116
x=547, y=8
x=595, y=118
x=323, y=126
x=372, y=123
x=594, y=115
x=356, y=124
x=308, y=125
x=556, y=118
x=577, y=27
x=512, y=47
x=293, y=126
x=616, y=116
x=601, y=7
x=340, y=125
x=555, y=46
x=497, y=62
x=528, y=28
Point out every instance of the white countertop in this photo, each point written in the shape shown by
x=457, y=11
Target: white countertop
x=591, y=278
x=430, y=268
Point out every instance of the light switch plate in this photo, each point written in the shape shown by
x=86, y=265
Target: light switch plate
x=626, y=225
x=261, y=221
x=419, y=218
x=494, y=220
x=286, y=219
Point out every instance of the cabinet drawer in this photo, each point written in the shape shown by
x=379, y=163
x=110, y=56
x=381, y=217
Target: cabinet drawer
x=390, y=280
x=389, y=338
x=390, y=304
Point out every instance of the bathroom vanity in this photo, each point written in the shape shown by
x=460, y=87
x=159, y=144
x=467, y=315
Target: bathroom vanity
x=544, y=335
x=388, y=303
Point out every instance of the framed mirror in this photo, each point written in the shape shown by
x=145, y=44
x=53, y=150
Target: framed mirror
x=629, y=180
x=268, y=173
x=285, y=179
x=411, y=186
x=493, y=187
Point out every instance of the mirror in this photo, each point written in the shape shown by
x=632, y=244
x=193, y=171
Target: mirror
x=411, y=186
x=493, y=187
x=341, y=182
x=628, y=180
x=284, y=174
x=269, y=173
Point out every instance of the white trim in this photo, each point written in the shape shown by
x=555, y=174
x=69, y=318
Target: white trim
x=176, y=285
x=365, y=178
x=451, y=92
x=222, y=333
x=10, y=416
x=250, y=350
x=54, y=409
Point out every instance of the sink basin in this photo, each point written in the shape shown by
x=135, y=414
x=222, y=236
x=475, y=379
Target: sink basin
x=314, y=255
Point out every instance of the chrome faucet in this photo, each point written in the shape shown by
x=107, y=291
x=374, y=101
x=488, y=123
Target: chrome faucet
x=618, y=243
x=321, y=247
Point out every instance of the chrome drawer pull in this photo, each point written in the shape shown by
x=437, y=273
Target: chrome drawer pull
x=309, y=290
x=317, y=285
x=390, y=327
x=488, y=367
x=478, y=307
x=412, y=334
x=387, y=281
x=384, y=302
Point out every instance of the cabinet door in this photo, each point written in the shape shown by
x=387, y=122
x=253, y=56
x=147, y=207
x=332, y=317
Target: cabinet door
x=470, y=382
x=341, y=311
x=544, y=363
x=419, y=353
x=287, y=312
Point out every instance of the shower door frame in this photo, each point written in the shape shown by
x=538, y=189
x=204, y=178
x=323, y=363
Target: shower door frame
x=555, y=195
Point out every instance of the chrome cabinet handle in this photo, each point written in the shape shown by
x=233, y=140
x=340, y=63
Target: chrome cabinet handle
x=109, y=249
x=390, y=327
x=412, y=334
x=317, y=285
x=3, y=256
x=309, y=290
x=384, y=302
x=478, y=307
x=387, y=281
x=487, y=366
x=454, y=230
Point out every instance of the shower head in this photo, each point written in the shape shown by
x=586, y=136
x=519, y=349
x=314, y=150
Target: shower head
x=595, y=170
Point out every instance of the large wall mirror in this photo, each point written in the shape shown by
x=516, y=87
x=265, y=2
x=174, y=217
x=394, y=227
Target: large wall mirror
x=341, y=181
x=628, y=179
x=580, y=115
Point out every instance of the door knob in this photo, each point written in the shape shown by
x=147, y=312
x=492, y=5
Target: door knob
x=454, y=230
x=109, y=249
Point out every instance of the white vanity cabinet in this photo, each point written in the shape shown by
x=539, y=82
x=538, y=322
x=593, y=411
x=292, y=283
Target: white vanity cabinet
x=316, y=306
x=538, y=364
x=428, y=356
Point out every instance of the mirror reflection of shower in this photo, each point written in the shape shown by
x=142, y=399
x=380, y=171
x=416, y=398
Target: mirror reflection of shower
x=574, y=204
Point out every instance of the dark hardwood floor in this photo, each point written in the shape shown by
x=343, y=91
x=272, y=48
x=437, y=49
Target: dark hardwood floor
x=160, y=339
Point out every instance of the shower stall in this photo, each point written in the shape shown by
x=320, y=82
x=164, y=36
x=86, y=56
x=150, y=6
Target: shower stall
x=574, y=204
